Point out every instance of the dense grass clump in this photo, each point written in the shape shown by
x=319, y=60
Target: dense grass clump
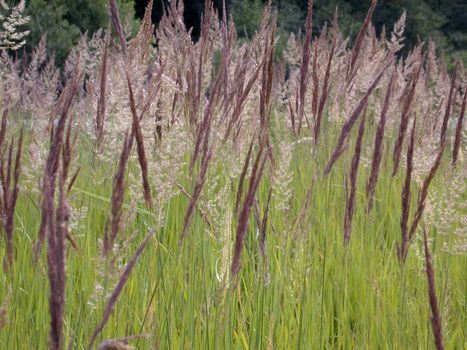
x=204, y=195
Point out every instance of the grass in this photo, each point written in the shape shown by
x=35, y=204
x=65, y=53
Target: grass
x=203, y=203
x=310, y=292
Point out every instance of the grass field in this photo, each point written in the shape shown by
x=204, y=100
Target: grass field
x=299, y=284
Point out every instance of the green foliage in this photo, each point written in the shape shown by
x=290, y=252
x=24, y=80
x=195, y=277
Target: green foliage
x=310, y=292
x=443, y=21
x=49, y=19
x=324, y=11
x=65, y=21
x=289, y=16
x=247, y=15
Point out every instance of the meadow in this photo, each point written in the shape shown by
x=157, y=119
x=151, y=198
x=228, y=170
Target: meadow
x=163, y=194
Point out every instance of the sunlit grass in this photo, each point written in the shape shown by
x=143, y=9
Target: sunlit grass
x=308, y=292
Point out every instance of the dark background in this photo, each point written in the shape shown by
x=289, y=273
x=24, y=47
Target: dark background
x=444, y=21
x=192, y=15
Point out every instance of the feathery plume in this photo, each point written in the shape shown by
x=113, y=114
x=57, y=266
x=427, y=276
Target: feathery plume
x=348, y=125
x=242, y=176
x=406, y=195
x=314, y=74
x=101, y=105
x=378, y=148
x=324, y=93
x=199, y=184
x=136, y=132
x=350, y=203
x=305, y=66
x=359, y=41
x=422, y=199
x=409, y=95
x=118, y=192
x=447, y=113
x=115, y=18
x=436, y=323
x=54, y=219
x=51, y=165
x=10, y=37
x=9, y=180
x=460, y=125
x=256, y=174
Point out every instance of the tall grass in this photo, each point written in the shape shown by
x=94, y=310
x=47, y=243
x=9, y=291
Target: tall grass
x=240, y=220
